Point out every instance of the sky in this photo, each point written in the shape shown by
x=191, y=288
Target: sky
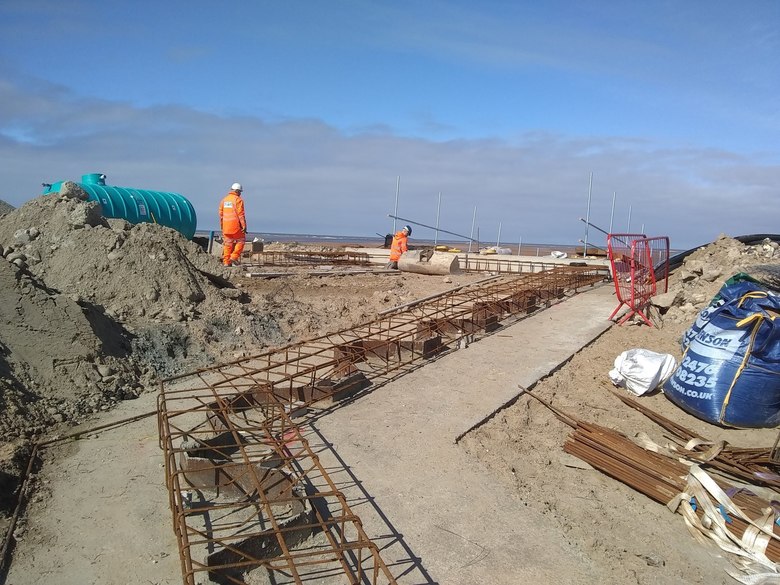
x=505, y=120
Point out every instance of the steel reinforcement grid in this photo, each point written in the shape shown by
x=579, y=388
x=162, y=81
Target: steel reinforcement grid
x=305, y=258
x=466, y=262
x=248, y=492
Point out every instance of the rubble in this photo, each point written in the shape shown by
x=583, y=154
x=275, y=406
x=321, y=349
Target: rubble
x=702, y=273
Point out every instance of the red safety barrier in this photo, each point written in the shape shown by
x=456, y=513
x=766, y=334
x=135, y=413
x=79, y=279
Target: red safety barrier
x=658, y=253
x=633, y=258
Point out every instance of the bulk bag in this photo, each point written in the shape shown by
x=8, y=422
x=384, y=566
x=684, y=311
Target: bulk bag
x=730, y=371
x=735, y=287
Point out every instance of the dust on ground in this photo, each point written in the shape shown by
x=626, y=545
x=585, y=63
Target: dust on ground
x=94, y=312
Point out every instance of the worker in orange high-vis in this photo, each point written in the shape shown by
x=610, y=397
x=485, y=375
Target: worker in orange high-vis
x=232, y=222
x=399, y=246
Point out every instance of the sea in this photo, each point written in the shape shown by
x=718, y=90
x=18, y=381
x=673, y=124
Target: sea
x=526, y=249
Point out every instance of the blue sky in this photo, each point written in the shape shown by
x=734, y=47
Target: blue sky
x=318, y=107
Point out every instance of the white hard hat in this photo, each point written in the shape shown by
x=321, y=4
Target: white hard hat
x=236, y=187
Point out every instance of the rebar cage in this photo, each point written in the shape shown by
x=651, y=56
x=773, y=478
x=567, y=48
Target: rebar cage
x=248, y=492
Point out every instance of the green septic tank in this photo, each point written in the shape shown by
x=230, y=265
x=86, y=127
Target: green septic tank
x=137, y=205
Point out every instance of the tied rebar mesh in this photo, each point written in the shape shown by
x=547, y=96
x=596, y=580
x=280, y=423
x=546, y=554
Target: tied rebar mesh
x=309, y=258
x=246, y=489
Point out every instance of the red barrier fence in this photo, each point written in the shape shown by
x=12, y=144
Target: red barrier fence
x=634, y=259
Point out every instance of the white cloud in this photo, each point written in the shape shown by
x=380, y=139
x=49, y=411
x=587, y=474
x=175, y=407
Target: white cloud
x=306, y=176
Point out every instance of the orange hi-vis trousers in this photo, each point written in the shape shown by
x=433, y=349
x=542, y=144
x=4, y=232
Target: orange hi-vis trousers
x=232, y=247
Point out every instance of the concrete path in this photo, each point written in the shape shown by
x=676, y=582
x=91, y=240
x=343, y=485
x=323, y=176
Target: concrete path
x=435, y=512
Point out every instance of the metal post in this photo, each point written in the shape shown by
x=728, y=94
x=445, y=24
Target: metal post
x=438, y=209
x=473, y=220
x=642, y=230
x=628, y=228
x=587, y=216
x=612, y=213
x=498, y=239
x=430, y=227
x=519, y=245
x=595, y=246
x=606, y=233
x=397, y=188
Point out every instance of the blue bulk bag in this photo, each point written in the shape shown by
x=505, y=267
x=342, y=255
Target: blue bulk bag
x=730, y=372
x=736, y=287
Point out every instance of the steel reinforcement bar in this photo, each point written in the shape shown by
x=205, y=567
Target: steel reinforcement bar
x=466, y=262
x=306, y=258
x=246, y=490
x=248, y=493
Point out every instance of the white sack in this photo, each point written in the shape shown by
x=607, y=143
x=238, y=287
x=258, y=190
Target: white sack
x=641, y=370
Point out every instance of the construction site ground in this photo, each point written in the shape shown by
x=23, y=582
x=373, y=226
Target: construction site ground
x=453, y=487
x=456, y=473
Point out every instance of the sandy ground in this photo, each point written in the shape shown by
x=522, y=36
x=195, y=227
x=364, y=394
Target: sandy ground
x=98, y=510
x=604, y=520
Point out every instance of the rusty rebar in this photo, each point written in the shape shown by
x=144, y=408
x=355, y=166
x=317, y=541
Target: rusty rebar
x=657, y=476
x=232, y=423
x=310, y=258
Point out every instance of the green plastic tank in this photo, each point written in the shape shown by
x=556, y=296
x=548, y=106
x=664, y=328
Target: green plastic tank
x=137, y=205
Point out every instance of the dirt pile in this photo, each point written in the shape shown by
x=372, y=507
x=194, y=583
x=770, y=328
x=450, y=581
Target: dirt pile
x=703, y=273
x=96, y=310
x=48, y=349
x=133, y=272
x=5, y=207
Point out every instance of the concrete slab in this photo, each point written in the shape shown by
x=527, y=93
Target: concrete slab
x=434, y=511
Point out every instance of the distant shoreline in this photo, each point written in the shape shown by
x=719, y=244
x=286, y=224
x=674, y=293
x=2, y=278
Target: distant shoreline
x=529, y=249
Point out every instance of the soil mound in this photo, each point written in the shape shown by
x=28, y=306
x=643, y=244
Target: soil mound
x=96, y=310
x=703, y=273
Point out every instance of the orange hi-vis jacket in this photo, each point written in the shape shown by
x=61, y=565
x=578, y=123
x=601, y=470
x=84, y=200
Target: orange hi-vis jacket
x=231, y=214
x=399, y=246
